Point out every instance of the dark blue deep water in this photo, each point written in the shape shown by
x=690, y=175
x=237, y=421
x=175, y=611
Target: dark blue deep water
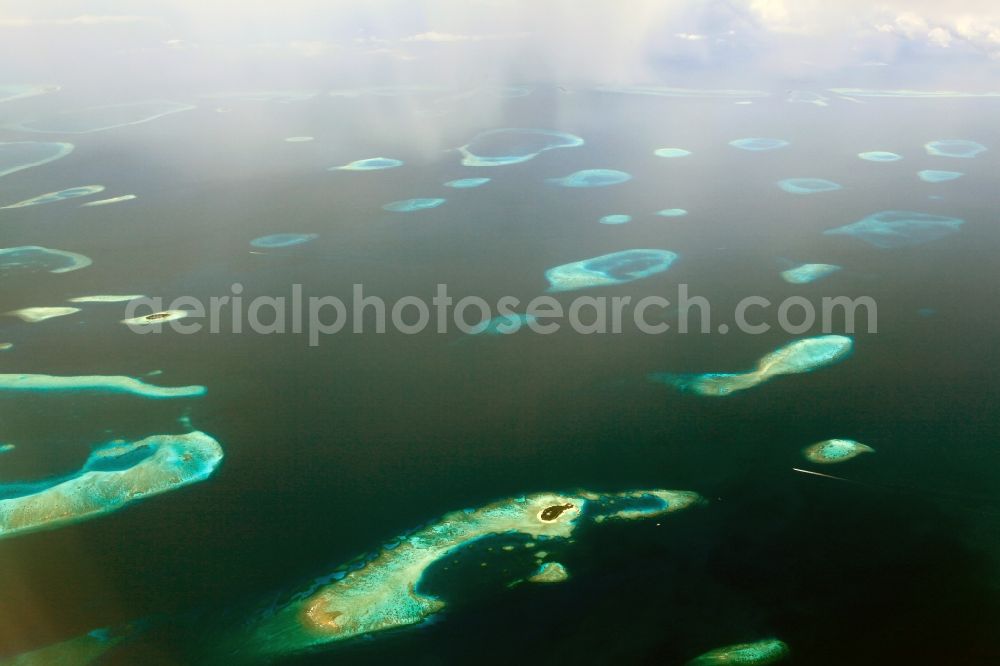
x=333, y=449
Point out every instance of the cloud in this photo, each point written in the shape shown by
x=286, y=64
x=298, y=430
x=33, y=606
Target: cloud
x=973, y=33
x=772, y=14
x=907, y=25
x=645, y=41
x=300, y=48
x=84, y=20
x=939, y=37
x=311, y=48
x=975, y=29
x=453, y=38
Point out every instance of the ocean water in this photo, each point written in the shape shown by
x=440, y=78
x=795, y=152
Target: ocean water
x=332, y=450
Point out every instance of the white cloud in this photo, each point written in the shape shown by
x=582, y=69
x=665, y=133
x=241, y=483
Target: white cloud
x=638, y=41
x=311, y=48
x=907, y=24
x=773, y=14
x=977, y=33
x=84, y=20
x=977, y=30
x=939, y=37
x=390, y=53
x=454, y=38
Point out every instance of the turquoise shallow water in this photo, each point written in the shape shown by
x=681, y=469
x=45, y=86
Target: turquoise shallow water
x=333, y=450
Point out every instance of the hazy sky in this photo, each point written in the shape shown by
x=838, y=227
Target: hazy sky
x=472, y=40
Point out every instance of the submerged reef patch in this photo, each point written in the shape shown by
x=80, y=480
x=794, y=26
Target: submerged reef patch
x=411, y=205
x=671, y=152
x=808, y=273
x=671, y=91
x=299, y=139
x=757, y=144
x=807, y=97
x=796, y=357
x=502, y=324
x=36, y=257
x=919, y=94
x=936, y=176
x=89, y=648
x=880, y=156
x=835, y=451
x=592, y=178
x=466, y=183
x=383, y=591
x=899, y=228
x=954, y=148
x=767, y=651
x=10, y=92
x=18, y=155
x=609, y=269
x=277, y=96
x=500, y=147
x=101, y=118
x=114, y=476
x=615, y=219
x=646, y=504
x=32, y=315
x=369, y=164
x=282, y=240
x=96, y=384
x=52, y=197
x=672, y=212
x=549, y=572
x=807, y=185
x=112, y=200
x=106, y=298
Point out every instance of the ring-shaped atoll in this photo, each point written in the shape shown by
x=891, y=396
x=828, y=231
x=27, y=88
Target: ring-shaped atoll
x=609, y=269
x=101, y=118
x=954, y=148
x=500, y=147
x=938, y=176
x=382, y=591
x=36, y=257
x=115, y=475
x=61, y=195
x=880, y=156
x=18, y=155
x=899, y=228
